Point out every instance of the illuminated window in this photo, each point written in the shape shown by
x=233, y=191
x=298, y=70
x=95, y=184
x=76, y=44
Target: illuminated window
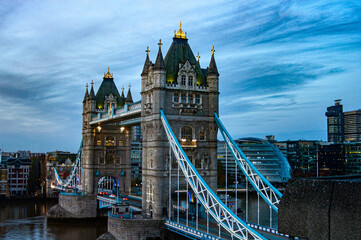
x=120, y=143
x=109, y=141
x=186, y=133
x=183, y=80
x=202, y=136
x=176, y=97
x=99, y=142
x=190, y=81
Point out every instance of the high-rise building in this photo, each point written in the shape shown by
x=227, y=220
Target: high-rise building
x=331, y=159
x=335, y=122
x=352, y=125
x=353, y=157
x=271, y=163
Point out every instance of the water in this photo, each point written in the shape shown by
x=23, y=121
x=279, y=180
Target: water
x=26, y=220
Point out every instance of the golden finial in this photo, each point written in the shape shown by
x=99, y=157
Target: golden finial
x=108, y=75
x=86, y=86
x=129, y=85
x=198, y=57
x=92, y=83
x=180, y=33
x=123, y=88
x=213, y=50
x=147, y=51
x=160, y=43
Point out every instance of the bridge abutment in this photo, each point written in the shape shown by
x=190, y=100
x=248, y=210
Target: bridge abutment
x=74, y=206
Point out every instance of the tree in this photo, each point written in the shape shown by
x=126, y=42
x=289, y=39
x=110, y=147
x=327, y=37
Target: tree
x=33, y=178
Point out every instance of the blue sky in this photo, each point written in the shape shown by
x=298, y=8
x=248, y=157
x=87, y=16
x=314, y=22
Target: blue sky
x=281, y=63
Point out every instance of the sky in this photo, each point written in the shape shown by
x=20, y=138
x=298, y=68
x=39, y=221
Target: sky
x=281, y=63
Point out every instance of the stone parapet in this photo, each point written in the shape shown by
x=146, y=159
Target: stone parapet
x=135, y=229
x=321, y=208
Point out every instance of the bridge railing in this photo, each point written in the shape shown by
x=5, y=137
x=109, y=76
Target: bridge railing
x=210, y=201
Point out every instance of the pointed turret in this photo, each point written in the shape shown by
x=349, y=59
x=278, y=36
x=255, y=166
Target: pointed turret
x=92, y=95
x=86, y=94
x=146, y=64
x=212, y=69
x=122, y=96
x=129, y=98
x=159, y=63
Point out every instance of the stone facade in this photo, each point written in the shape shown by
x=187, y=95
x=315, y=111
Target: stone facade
x=189, y=107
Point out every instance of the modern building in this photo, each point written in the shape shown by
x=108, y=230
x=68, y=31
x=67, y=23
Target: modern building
x=331, y=159
x=352, y=125
x=302, y=156
x=18, y=172
x=335, y=122
x=136, y=160
x=353, y=157
x=271, y=163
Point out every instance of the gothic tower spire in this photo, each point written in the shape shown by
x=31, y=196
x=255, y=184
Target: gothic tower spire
x=86, y=94
x=212, y=69
x=92, y=95
x=146, y=64
x=159, y=63
x=129, y=98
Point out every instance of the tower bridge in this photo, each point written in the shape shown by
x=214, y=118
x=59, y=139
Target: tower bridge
x=178, y=116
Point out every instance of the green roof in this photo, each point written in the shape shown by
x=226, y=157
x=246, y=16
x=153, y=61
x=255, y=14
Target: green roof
x=180, y=52
x=106, y=88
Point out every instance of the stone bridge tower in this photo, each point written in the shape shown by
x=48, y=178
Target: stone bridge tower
x=106, y=145
x=188, y=95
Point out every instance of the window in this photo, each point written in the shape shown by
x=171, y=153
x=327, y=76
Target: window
x=99, y=142
x=176, y=97
x=190, y=98
x=198, y=99
x=120, y=143
x=190, y=81
x=186, y=134
x=109, y=141
x=183, y=80
x=202, y=136
x=183, y=98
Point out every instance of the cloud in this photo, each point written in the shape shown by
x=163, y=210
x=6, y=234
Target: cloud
x=270, y=54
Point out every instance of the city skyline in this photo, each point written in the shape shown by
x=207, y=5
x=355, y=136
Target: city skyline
x=281, y=64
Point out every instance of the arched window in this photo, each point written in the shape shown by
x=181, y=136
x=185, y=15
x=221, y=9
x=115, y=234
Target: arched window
x=187, y=133
x=183, y=80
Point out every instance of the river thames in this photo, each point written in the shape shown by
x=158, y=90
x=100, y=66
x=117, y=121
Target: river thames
x=26, y=220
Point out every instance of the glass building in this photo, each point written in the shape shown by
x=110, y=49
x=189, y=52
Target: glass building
x=268, y=159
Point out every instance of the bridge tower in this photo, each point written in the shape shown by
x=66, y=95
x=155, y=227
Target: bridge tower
x=106, y=145
x=188, y=95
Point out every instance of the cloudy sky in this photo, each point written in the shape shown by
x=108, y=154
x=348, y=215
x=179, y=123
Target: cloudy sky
x=281, y=63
